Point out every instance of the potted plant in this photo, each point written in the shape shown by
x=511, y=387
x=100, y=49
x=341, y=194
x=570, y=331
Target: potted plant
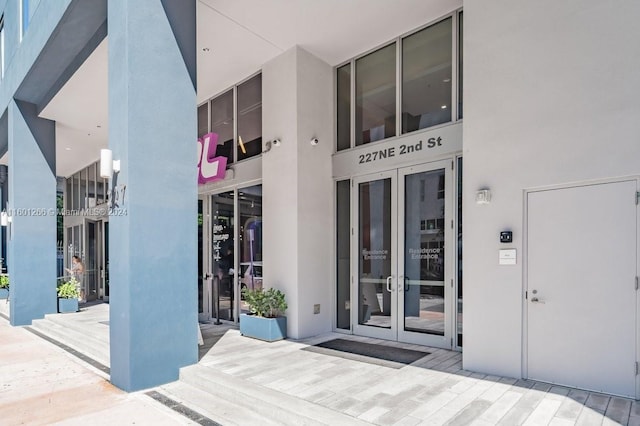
x=4, y=287
x=266, y=321
x=68, y=296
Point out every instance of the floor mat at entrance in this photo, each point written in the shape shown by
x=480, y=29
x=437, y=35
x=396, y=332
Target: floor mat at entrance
x=368, y=352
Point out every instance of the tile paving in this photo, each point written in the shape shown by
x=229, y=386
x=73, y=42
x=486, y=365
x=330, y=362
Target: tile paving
x=301, y=386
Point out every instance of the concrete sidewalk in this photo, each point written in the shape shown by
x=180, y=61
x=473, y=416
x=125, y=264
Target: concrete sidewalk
x=41, y=384
x=242, y=381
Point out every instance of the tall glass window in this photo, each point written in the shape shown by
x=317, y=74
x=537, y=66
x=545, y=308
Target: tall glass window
x=24, y=17
x=376, y=95
x=460, y=56
x=222, y=252
x=222, y=124
x=2, y=51
x=343, y=213
x=426, y=77
x=250, y=239
x=344, y=106
x=250, y=118
x=427, y=86
x=203, y=120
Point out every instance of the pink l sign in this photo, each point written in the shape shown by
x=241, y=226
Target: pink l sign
x=210, y=167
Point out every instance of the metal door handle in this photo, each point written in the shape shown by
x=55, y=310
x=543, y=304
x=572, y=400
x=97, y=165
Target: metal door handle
x=389, y=283
x=536, y=300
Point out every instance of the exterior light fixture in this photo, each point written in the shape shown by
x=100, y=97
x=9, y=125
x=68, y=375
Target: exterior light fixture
x=107, y=164
x=4, y=219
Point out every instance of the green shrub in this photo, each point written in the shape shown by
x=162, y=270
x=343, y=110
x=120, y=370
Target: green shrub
x=69, y=289
x=268, y=304
x=4, y=281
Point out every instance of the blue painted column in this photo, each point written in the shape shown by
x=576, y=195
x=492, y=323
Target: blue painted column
x=32, y=204
x=153, y=229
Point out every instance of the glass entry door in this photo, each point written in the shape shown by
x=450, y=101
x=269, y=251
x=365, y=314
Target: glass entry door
x=403, y=244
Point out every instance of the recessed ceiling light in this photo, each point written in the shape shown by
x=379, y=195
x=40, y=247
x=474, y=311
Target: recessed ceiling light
x=67, y=149
x=446, y=80
x=443, y=107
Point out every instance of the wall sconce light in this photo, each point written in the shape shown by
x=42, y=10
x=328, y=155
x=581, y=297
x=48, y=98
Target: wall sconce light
x=483, y=196
x=107, y=164
x=4, y=219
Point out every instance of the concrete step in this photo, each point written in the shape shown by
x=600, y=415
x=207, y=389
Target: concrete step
x=77, y=323
x=86, y=344
x=220, y=410
x=267, y=403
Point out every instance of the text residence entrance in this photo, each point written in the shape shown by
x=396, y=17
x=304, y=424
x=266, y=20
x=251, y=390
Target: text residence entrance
x=402, y=254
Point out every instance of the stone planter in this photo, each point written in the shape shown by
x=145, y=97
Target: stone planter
x=267, y=329
x=4, y=293
x=67, y=305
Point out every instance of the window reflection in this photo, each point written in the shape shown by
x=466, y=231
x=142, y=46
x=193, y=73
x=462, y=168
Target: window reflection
x=426, y=77
x=222, y=124
x=250, y=118
x=344, y=107
x=376, y=95
x=250, y=243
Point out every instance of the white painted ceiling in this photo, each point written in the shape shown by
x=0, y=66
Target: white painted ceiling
x=240, y=37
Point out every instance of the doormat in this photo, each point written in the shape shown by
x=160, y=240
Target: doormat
x=387, y=356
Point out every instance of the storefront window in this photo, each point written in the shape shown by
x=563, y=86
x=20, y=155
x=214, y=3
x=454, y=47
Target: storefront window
x=250, y=118
x=344, y=107
x=426, y=77
x=222, y=252
x=250, y=243
x=376, y=95
x=222, y=124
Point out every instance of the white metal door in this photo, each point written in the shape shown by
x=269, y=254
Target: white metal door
x=581, y=287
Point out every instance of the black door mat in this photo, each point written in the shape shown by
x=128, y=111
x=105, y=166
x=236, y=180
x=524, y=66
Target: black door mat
x=387, y=356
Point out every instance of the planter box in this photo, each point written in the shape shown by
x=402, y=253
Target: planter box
x=4, y=293
x=268, y=329
x=67, y=305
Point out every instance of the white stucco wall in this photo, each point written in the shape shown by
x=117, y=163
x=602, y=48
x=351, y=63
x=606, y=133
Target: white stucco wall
x=550, y=97
x=297, y=96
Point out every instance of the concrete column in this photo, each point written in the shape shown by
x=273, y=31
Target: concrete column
x=153, y=230
x=32, y=203
x=298, y=191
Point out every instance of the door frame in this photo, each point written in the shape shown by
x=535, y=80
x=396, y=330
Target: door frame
x=396, y=332
x=392, y=281
x=447, y=340
x=525, y=266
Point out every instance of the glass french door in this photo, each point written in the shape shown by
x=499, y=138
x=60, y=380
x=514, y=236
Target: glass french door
x=402, y=255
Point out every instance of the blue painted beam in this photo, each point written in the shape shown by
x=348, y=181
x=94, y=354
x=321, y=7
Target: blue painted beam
x=153, y=235
x=32, y=202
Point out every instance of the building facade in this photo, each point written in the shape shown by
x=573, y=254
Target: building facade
x=452, y=174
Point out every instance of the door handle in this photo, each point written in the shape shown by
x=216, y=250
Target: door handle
x=536, y=300
x=389, y=283
x=402, y=283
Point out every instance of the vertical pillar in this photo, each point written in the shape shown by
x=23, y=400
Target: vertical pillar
x=298, y=191
x=32, y=203
x=153, y=227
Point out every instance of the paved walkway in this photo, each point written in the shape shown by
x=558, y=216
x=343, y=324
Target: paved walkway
x=244, y=381
x=41, y=384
